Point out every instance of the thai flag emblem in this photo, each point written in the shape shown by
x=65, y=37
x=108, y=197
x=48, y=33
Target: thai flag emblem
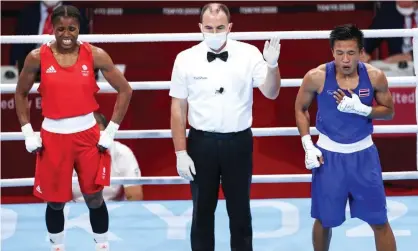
x=364, y=93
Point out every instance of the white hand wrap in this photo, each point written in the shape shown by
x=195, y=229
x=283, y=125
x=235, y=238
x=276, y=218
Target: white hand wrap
x=354, y=105
x=311, y=153
x=108, y=135
x=32, y=140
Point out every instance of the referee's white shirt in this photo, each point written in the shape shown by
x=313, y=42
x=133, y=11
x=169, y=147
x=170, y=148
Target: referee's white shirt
x=124, y=164
x=197, y=80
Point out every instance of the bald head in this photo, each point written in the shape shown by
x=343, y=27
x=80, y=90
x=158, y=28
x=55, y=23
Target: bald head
x=215, y=18
x=215, y=9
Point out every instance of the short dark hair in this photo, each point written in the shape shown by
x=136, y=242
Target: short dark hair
x=346, y=32
x=101, y=119
x=65, y=11
x=220, y=7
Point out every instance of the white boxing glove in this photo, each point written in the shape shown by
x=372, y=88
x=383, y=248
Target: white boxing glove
x=312, y=154
x=271, y=52
x=354, y=105
x=185, y=165
x=33, y=142
x=108, y=135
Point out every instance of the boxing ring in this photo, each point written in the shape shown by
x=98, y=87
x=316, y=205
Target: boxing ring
x=279, y=224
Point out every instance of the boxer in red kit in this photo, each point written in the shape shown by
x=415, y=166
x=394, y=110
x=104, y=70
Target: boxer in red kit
x=70, y=138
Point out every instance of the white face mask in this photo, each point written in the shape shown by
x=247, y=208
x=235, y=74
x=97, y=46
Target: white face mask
x=405, y=11
x=51, y=3
x=215, y=40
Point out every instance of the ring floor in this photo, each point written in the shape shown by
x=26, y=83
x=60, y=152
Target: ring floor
x=279, y=224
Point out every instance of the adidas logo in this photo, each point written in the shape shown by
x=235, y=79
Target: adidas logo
x=51, y=69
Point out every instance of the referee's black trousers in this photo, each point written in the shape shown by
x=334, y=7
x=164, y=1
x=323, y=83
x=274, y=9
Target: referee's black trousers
x=226, y=159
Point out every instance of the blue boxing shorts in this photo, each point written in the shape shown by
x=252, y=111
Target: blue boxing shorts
x=356, y=177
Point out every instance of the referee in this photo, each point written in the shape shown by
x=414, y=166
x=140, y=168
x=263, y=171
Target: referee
x=212, y=83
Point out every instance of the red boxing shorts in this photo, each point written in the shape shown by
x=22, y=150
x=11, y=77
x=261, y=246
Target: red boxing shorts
x=62, y=153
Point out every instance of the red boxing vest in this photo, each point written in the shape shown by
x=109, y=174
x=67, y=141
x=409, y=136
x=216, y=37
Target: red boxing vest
x=67, y=91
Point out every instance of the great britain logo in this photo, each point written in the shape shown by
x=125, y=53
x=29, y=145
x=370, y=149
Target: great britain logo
x=84, y=70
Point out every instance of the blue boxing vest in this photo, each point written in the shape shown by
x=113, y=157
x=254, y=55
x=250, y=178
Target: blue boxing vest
x=344, y=128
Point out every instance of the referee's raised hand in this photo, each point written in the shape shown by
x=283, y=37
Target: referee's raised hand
x=271, y=52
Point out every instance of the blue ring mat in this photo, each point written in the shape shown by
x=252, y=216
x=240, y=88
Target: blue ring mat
x=278, y=224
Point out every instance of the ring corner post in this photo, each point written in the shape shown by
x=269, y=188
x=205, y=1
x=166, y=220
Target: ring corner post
x=415, y=61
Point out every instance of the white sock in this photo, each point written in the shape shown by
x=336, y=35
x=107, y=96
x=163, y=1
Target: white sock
x=56, y=239
x=100, y=238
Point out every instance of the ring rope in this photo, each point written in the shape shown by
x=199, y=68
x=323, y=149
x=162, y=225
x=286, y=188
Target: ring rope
x=165, y=85
x=172, y=180
x=257, y=132
x=181, y=37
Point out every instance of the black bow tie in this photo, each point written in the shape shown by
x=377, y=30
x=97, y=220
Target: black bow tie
x=212, y=56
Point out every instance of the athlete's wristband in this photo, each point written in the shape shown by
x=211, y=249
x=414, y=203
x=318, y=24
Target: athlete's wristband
x=27, y=130
x=111, y=129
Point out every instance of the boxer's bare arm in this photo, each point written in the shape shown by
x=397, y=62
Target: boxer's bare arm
x=311, y=85
x=104, y=63
x=384, y=110
x=24, y=84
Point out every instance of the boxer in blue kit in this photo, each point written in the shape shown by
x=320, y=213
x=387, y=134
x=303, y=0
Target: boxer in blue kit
x=344, y=161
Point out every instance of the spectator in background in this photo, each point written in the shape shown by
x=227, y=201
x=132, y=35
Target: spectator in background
x=124, y=164
x=36, y=20
x=393, y=15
